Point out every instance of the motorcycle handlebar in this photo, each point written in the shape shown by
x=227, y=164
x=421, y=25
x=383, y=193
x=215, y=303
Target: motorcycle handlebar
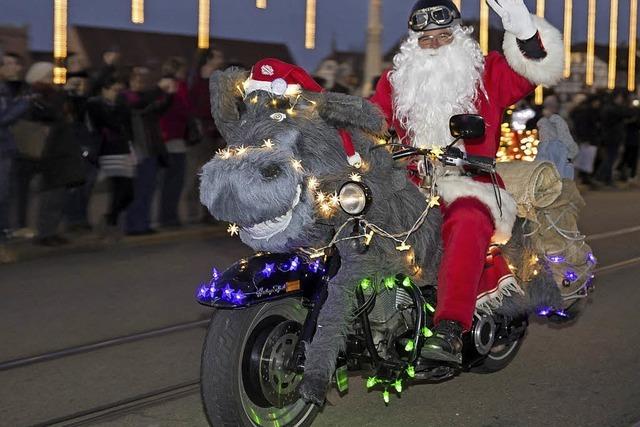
x=452, y=156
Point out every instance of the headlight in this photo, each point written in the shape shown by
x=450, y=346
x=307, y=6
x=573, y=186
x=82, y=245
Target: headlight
x=354, y=198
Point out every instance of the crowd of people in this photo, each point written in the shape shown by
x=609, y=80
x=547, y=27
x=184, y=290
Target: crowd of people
x=116, y=125
x=146, y=139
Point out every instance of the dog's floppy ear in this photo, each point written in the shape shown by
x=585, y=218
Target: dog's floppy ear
x=226, y=92
x=348, y=111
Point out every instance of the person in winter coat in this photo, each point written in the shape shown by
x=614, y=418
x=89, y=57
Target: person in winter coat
x=556, y=143
x=440, y=71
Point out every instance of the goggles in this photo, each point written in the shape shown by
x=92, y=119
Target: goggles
x=439, y=16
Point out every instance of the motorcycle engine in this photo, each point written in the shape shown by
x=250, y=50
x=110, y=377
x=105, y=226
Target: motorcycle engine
x=390, y=317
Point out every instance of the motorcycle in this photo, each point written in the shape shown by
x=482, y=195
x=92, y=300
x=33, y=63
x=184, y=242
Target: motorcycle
x=267, y=307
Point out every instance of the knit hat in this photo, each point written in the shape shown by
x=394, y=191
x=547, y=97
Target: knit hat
x=39, y=71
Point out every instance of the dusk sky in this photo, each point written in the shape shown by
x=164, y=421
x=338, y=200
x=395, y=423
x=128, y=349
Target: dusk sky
x=282, y=21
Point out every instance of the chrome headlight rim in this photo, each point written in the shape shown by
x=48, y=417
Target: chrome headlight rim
x=365, y=194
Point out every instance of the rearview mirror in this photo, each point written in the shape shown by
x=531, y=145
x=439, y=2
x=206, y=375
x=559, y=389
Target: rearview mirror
x=466, y=126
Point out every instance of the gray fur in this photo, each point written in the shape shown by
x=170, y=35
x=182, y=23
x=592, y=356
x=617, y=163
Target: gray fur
x=234, y=190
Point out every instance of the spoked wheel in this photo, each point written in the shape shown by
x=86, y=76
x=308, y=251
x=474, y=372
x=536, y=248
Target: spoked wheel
x=244, y=377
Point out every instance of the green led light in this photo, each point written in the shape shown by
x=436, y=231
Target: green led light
x=407, y=282
x=409, y=346
x=365, y=283
x=427, y=332
x=371, y=381
x=390, y=282
x=429, y=307
x=385, y=396
x=411, y=372
x=398, y=385
x=342, y=379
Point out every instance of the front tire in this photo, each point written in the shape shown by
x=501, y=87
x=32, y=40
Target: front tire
x=499, y=357
x=243, y=378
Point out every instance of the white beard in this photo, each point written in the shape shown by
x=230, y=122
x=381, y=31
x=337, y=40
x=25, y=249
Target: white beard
x=431, y=85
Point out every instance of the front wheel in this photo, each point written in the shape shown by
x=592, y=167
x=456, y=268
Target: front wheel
x=244, y=379
x=499, y=357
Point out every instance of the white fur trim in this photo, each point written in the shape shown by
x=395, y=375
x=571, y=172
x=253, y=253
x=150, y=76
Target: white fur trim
x=492, y=300
x=251, y=85
x=355, y=160
x=546, y=71
x=454, y=187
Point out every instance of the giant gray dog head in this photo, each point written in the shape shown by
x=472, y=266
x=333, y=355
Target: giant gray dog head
x=281, y=152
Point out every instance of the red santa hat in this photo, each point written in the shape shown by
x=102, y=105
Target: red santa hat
x=281, y=79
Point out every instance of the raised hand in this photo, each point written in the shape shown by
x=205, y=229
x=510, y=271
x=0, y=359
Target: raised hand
x=515, y=16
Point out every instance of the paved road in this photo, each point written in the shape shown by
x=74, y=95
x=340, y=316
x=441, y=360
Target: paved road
x=586, y=373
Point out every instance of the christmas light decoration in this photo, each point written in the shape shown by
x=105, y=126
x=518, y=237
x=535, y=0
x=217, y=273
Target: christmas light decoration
x=227, y=292
x=371, y=382
x=310, y=25
x=426, y=332
x=204, y=14
x=233, y=230
x=633, y=44
x=429, y=307
x=261, y=4
x=268, y=270
x=613, y=44
x=434, y=201
x=385, y=396
x=409, y=346
x=365, y=284
x=591, y=42
x=539, y=92
x=411, y=372
x=389, y=282
x=397, y=385
x=355, y=177
x=484, y=27
x=568, y=24
x=406, y=282
x=137, y=11
x=60, y=14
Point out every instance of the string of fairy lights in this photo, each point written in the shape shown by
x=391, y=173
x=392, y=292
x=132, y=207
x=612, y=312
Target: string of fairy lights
x=60, y=27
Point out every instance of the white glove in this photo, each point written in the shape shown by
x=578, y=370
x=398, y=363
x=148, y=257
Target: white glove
x=515, y=16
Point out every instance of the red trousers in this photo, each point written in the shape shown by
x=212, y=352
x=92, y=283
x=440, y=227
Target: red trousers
x=467, y=229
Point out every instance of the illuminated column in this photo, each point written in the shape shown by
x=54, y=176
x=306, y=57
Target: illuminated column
x=458, y=4
x=261, y=4
x=137, y=11
x=568, y=23
x=373, y=58
x=591, y=41
x=613, y=44
x=204, y=14
x=484, y=27
x=539, y=96
x=310, y=25
x=59, y=41
x=633, y=34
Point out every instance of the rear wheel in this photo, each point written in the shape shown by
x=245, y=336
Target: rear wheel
x=244, y=379
x=499, y=357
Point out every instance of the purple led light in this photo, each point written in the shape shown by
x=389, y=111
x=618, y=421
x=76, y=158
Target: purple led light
x=571, y=275
x=203, y=290
x=556, y=259
x=227, y=293
x=314, y=267
x=295, y=263
x=561, y=313
x=543, y=311
x=239, y=296
x=591, y=259
x=268, y=270
x=215, y=275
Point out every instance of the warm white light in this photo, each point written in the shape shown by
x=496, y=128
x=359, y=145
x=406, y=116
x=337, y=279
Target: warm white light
x=261, y=4
x=204, y=14
x=613, y=44
x=458, y=4
x=484, y=27
x=591, y=42
x=59, y=40
x=137, y=11
x=568, y=24
x=633, y=46
x=310, y=25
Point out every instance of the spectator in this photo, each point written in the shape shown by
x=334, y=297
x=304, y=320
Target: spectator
x=615, y=112
x=77, y=204
x=110, y=118
x=147, y=105
x=585, y=118
x=556, y=143
x=12, y=106
x=108, y=70
x=211, y=140
x=61, y=163
x=628, y=165
x=174, y=127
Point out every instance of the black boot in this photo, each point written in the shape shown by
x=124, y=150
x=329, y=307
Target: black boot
x=445, y=344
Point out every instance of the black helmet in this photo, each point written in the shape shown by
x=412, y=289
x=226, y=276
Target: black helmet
x=433, y=15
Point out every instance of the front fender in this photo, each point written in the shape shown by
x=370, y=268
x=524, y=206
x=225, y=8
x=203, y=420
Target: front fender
x=262, y=277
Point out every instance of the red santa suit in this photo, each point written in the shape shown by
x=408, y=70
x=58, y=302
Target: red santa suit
x=472, y=215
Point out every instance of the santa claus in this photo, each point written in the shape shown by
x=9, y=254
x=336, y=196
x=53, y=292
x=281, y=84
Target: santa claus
x=440, y=71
